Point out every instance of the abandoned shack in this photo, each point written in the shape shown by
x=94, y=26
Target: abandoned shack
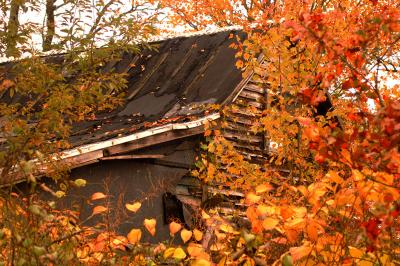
x=144, y=150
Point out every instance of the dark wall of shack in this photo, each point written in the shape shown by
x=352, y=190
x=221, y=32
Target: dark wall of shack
x=128, y=181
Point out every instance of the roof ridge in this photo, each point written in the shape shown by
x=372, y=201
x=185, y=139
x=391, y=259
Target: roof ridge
x=152, y=39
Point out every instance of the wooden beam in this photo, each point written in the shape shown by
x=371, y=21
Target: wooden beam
x=131, y=157
x=173, y=164
x=152, y=140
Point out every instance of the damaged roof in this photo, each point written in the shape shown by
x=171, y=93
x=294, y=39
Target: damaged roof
x=167, y=92
x=172, y=84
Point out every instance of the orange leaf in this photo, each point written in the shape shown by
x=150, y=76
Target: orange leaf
x=186, y=235
x=252, y=198
x=270, y=223
x=133, y=207
x=198, y=235
x=134, y=236
x=312, y=230
x=300, y=252
x=99, y=209
x=333, y=176
x=194, y=250
x=174, y=228
x=263, y=188
x=97, y=196
x=150, y=225
x=263, y=210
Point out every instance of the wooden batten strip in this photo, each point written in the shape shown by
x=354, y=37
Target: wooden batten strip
x=245, y=112
x=226, y=192
x=246, y=102
x=241, y=120
x=251, y=95
x=242, y=137
x=254, y=88
x=235, y=127
x=148, y=75
x=131, y=157
x=249, y=147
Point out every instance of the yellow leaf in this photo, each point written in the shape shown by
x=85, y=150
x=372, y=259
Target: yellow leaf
x=134, y=236
x=200, y=262
x=263, y=188
x=226, y=228
x=186, y=235
x=300, y=211
x=365, y=263
x=174, y=228
x=169, y=252
x=204, y=215
x=270, y=223
x=179, y=254
x=97, y=196
x=252, y=198
x=296, y=223
x=150, y=225
x=133, y=207
x=99, y=209
x=357, y=175
x=198, y=235
x=80, y=182
x=59, y=194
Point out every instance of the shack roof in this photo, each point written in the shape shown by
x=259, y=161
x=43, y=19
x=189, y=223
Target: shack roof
x=167, y=91
x=171, y=84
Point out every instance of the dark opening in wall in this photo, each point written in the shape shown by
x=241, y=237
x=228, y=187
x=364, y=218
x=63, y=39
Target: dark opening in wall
x=173, y=210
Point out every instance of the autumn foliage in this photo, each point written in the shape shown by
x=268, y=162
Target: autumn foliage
x=328, y=192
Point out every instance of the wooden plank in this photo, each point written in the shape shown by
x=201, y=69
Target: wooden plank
x=234, y=95
x=225, y=192
x=173, y=164
x=241, y=120
x=243, y=137
x=153, y=140
x=250, y=147
x=255, y=88
x=235, y=126
x=246, y=102
x=82, y=159
x=243, y=111
x=252, y=96
x=192, y=201
x=250, y=153
x=131, y=157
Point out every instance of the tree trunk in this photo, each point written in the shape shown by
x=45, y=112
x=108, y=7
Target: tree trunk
x=12, y=28
x=50, y=25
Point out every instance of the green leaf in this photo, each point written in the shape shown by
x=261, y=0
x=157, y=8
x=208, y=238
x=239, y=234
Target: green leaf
x=287, y=261
x=38, y=251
